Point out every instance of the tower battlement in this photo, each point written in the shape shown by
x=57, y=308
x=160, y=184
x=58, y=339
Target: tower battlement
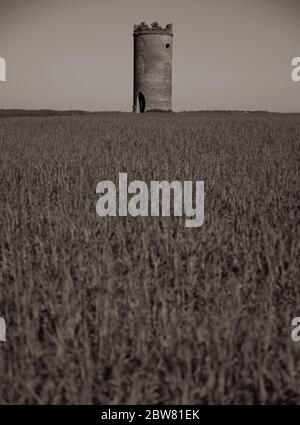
x=154, y=28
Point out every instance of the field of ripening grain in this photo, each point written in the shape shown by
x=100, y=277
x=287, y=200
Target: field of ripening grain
x=143, y=310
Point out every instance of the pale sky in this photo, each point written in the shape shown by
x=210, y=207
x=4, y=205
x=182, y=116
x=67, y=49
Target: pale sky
x=78, y=54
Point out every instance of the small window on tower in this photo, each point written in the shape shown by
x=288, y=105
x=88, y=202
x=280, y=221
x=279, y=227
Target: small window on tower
x=167, y=46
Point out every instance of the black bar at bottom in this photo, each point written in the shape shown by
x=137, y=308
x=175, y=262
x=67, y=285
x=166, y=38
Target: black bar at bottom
x=92, y=415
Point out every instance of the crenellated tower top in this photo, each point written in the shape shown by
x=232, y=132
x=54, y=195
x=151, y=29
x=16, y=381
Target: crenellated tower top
x=154, y=28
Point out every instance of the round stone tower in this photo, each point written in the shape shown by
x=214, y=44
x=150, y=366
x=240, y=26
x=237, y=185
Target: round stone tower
x=152, y=82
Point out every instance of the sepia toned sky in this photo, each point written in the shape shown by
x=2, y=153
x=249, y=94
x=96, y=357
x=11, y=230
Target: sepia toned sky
x=78, y=54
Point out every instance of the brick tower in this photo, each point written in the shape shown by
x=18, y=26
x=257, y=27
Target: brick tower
x=152, y=81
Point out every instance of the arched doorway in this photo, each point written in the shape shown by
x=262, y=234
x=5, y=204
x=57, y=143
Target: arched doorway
x=142, y=102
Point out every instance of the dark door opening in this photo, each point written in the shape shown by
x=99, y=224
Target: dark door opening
x=142, y=102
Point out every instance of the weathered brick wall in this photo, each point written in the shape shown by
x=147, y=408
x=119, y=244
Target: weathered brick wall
x=153, y=70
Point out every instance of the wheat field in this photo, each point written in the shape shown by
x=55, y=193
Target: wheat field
x=143, y=310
